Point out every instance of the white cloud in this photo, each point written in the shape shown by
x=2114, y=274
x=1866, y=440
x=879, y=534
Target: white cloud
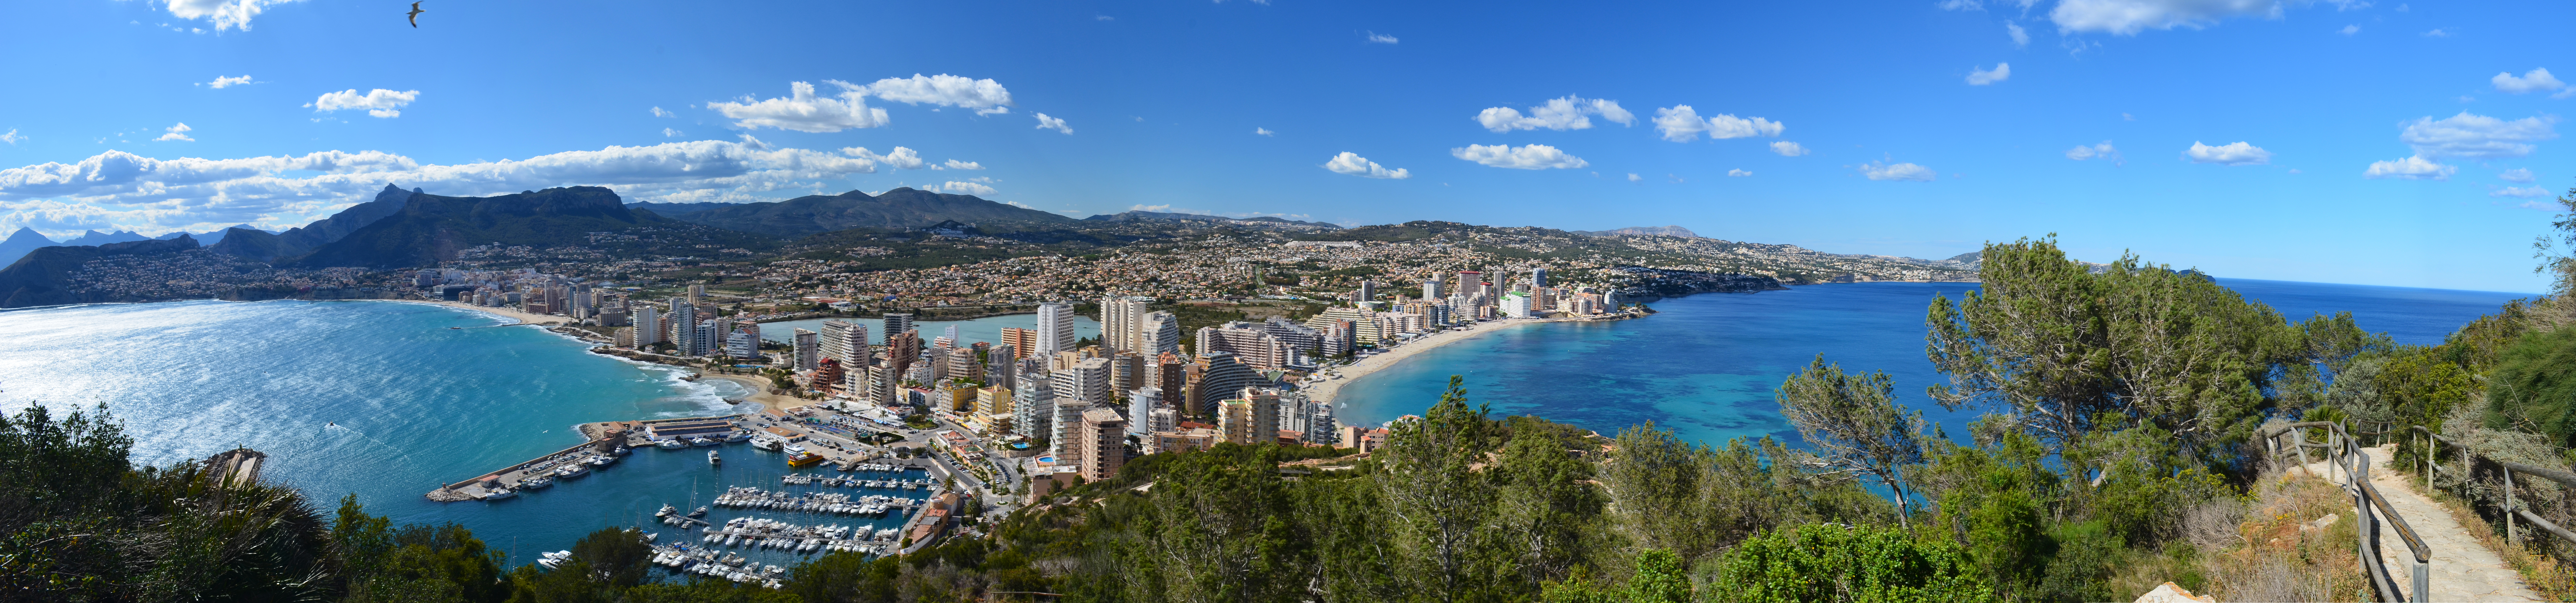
x=1531, y=157
x=804, y=111
x=129, y=192
x=2522, y=175
x=222, y=82
x=1103, y=18
x=1881, y=170
x=2349, y=30
x=962, y=188
x=2519, y=191
x=1050, y=123
x=2536, y=80
x=985, y=96
x=1738, y=173
x=2102, y=151
x=2437, y=33
x=1633, y=177
x=1960, y=5
x=378, y=102
x=2020, y=37
x=1567, y=113
x=2478, y=136
x=2416, y=167
x=903, y=158
x=667, y=132
x=1261, y=131
x=1379, y=38
x=1680, y=123
x=2237, y=153
x=1353, y=164
x=1979, y=76
x=659, y=112
x=12, y=137
x=1788, y=149
x=2128, y=17
x=962, y=165
x=175, y=134
x=227, y=14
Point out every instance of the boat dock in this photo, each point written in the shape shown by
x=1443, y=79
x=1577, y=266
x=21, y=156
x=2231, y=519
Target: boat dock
x=510, y=477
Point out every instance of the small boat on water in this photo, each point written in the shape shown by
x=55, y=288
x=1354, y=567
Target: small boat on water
x=737, y=436
x=601, y=461
x=712, y=459
x=670, y=444
x=622, y=450
x=765, y=443
x=536, y=483
x=701, y=512
x=701, y=442
x=575, y=471
x=500, y=494
x=666, y=511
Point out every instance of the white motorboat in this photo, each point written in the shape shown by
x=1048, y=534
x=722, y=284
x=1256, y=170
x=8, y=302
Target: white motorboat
x=712, y=459
x=666, y=511
x=500, y=494
x=536, y=483
x=670, y=444
x=574, y=471
x=701, y=442
x=737, y=436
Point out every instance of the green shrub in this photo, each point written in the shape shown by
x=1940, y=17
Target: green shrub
x=2534, y=386
x=1827, y=562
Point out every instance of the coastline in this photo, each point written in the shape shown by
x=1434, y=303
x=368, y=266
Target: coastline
x=760, y=392
x=1324, y=391
x=523, y=317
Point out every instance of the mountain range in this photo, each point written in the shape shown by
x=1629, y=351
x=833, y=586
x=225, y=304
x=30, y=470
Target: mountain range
x=1669, y=231
x=264, y=246
x=426, y=229
x=898, y=208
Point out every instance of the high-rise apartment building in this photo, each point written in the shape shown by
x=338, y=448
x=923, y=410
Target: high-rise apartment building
x=1065, y=443
x=1313, y=421
x=846, y=341
x=897, y=323
x=1251, y=418
x=1367, y=292
x=903, y=350
x=1140, y=410
x=1122, y=322
x=1020, y=340
x=807, y=345
x=1249, y=342
x=697, y=292
x=1538, y=277
x=999, y=368
x=1126, y=371
x=1169, y=376
x=963, y=365
x=1104, y=443
x=1055, y=328
x=648, y=325
x=1160, y=334
x=1218, y=376
x=1087, y=381
x=1033, y=407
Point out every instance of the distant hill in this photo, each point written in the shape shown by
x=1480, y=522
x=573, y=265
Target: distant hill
x=43, y=276
x=1669, y=231
x=674, y=210
x=431, y=228
x=264, y=246
x=210, y=238
x=95, y=238
x=898, y=208
x=21, y=242
x=1132, y=216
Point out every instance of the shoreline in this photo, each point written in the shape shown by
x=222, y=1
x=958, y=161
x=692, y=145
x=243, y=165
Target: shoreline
x=1324, y=391
x=503, y=312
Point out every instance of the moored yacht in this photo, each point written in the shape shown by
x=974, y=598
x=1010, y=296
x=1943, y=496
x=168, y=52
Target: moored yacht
x=670, y=444
x=574, y=471
x=712, y=459
x=701, y=442
x=738, y=436
x=536, y=483
x=500, y=494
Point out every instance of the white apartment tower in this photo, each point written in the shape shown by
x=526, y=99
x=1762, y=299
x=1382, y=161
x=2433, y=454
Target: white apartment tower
x=846, y=342
x=1122, y=322
x=1055, y=328
x=648, y=325
x=1160, y=334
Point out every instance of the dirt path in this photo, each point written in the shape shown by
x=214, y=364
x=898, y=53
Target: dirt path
x=2462, y=569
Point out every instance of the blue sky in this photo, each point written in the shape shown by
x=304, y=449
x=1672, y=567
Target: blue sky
x=2382, y=143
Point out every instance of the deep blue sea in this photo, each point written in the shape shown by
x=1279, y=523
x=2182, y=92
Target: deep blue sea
x=383, y=400
x=1705, y=367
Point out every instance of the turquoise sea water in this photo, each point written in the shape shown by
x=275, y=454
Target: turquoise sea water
x=415, y=404
x=1706, y=365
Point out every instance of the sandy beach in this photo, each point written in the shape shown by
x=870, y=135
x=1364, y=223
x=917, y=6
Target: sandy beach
x=760, y=388
x=1324, y=389
x=504, y=312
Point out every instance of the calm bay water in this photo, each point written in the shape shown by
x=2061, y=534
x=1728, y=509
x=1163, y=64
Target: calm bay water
x=1706, y=365
x=383, y=400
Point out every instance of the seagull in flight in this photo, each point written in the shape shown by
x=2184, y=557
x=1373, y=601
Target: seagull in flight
x=415, y=15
